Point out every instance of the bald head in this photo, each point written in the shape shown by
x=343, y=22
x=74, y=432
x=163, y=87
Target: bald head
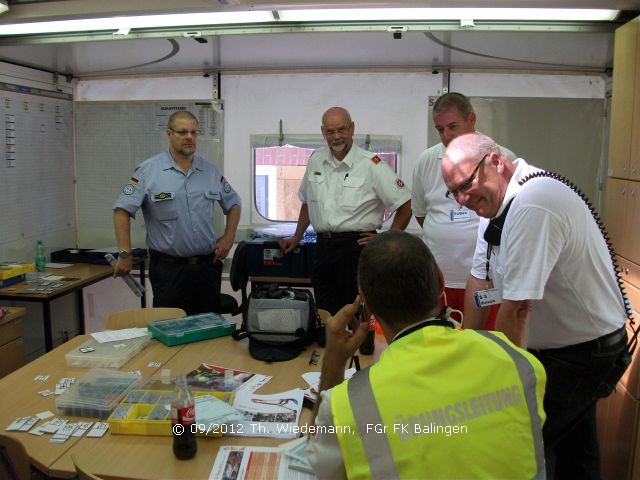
x=334, y=113
x=477, y=173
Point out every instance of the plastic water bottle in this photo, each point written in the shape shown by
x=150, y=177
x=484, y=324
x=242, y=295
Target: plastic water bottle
x=183, y=419
x=40, y=259
x=135, y=286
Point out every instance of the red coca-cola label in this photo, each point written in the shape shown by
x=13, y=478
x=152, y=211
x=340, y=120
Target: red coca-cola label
x=184, y=415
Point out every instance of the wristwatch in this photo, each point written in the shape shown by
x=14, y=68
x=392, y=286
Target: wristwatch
x=124, y=254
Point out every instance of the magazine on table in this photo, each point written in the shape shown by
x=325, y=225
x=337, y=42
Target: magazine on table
x=223, y=379
x=275, y=415
x=266, y=463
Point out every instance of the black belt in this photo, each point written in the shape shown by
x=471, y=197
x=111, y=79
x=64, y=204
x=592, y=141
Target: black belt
x=608, y=340
x=334, y=235
x=190, y=260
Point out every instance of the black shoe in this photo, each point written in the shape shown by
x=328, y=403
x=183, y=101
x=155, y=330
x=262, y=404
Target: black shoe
x=368, y=346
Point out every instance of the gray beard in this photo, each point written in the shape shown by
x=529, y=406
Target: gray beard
x=338, y=148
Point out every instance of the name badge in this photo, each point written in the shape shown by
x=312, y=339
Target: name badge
x=159, y=197
x=486, y=298
x=460, y=215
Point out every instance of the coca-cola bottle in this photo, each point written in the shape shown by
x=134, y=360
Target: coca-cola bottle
x=183, y=419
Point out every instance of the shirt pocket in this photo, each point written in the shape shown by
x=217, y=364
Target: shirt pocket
x=353, y=191
x=164, y=206
x=316, y=186
x=213, y=195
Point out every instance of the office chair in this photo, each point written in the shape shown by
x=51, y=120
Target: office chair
x=14, y=460
x=81, y=471
x=238, y=278
x=140, y=317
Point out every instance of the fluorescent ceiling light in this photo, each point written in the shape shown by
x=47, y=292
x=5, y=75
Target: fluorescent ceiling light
x=311, y=15
x=396, y=14
x=3, y=6
x=145, y=21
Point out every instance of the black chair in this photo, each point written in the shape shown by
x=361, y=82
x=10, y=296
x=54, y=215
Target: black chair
x=239, y=279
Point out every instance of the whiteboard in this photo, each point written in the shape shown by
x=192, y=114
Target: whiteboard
x=112, y=138
x=37, y=190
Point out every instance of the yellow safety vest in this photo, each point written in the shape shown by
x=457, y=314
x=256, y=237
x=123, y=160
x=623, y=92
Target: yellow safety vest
x=443, y=403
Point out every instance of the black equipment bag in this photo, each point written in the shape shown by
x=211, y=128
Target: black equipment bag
x=279, y=322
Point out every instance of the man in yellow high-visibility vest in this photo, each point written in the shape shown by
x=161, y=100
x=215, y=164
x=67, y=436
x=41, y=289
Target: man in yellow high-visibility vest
x=441, y=402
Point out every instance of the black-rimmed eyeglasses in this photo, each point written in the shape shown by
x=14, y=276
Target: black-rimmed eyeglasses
x=184, y=133
x=466, y=185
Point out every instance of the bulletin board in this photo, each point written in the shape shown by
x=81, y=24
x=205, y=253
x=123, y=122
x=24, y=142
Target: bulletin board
x=112, y=138
x=37, y=191
x=562, y=135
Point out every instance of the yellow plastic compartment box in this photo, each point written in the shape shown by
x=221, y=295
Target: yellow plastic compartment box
x=146, y=412
x=10, y=270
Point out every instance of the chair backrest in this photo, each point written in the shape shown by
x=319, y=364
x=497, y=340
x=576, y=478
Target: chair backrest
x=140, y=317
x=83, y=473
x=14, y=460
x=238, y=275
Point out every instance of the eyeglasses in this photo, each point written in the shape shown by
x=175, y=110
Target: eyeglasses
x=184, y=133
x=340, y=131
x=466, y=185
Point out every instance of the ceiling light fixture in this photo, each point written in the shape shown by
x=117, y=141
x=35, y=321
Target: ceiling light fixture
x=3, y=6
x=144, y=21
x=394, y=14
x=306, y=15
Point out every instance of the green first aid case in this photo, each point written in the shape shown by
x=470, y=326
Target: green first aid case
x=191, y=329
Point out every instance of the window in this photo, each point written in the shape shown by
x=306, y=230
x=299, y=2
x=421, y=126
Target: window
x=279, y=168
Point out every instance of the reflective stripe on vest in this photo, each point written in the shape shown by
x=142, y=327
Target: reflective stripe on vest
x=376, y=446
x=528, y=378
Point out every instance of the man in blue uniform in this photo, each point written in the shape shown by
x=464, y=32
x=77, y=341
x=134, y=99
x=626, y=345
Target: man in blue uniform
x=177, y=191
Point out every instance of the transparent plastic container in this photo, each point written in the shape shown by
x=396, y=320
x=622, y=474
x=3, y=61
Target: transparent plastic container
x=93, y=354
x=96, y=394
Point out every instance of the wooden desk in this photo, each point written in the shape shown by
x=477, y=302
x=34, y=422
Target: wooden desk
x=85, y=273
x=143, y=457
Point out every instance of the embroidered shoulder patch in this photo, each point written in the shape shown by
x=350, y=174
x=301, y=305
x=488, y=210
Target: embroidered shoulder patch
x=400, y=183
x=376, y=159
x=128, y=189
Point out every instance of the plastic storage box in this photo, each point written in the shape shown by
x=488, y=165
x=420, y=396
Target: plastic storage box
x=191, y=329
x=96, y=394
x=93, y=354
x=146, y=411
x=10, y=270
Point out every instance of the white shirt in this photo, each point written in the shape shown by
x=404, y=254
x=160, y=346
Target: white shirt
x=449, y=229
x=553, y=252
x=350, y=195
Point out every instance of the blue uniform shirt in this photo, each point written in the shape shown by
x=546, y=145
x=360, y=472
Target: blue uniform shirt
x=177, y=208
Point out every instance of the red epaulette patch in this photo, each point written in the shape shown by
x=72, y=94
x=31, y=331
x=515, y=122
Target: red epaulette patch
x=376, y=159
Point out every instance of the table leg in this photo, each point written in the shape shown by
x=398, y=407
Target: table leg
x=46, y=316
x=80, y=307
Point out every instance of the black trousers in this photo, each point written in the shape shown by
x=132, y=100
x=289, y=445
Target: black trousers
x=335, y=272
x=574, y=385
x=194, y=287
